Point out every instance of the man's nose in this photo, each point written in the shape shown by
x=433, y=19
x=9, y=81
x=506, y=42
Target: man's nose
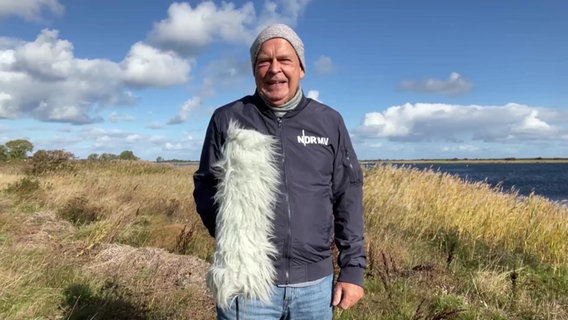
x=274, y=66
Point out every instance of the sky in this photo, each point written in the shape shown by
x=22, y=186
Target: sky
x=412, y=79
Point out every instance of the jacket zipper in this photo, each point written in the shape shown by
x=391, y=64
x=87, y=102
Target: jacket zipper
x=288, y=240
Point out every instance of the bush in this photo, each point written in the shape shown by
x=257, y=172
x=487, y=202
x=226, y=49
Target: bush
x=78, y=211
x=127, y=155
x=24, y=188
x=51, y=161
x=4, y=156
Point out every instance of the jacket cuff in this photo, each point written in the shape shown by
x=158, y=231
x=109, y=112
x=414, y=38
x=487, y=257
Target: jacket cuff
x=352, y=275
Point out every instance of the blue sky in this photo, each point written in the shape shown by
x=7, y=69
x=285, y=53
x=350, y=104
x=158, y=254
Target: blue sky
x=413, y=79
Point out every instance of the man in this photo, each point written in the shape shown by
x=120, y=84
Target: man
x=278, y=181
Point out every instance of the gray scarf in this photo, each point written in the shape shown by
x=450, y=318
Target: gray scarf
x=281, y=110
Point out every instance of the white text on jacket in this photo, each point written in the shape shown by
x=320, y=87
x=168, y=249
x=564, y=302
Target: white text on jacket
x=305, y=140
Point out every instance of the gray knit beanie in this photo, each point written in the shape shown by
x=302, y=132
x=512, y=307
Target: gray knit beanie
x=278, y=31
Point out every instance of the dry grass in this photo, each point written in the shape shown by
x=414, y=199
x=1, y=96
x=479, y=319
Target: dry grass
x=429, y=204
x=441, y=248
x=134, y=203
x=74, y=259
x=122, y=240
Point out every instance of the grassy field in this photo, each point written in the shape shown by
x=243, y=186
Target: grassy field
x=122, y=240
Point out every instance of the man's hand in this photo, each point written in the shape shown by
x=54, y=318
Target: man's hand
x=346, y=294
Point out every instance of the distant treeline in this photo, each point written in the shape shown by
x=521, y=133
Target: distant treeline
x=177, y=161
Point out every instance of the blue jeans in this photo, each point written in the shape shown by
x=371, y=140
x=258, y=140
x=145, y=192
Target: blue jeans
x=286, y=303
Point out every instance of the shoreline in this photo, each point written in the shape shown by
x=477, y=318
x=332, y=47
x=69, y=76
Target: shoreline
x=411, y=161
x=469, y=161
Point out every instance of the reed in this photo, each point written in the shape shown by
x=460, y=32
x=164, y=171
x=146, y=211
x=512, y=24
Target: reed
x=430, y=204
x=442, y=248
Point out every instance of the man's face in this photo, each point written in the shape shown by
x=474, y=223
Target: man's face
x=277, y=72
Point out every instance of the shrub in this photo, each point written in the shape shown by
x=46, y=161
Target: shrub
x=78, y=211
x=24, y=188
x=50, y=161
x=127, y=155
x=4, y=155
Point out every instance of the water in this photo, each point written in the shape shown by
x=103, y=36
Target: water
x=546, y=179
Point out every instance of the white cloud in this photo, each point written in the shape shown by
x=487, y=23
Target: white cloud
x=8, y=43
x=64, y=113
x=147, y=66
x=155, y=125
x=109, y=140
x=313, y=94
x=461, y=148
x=30, y=9
x=158, y=139
x=185, y=110
x=7, y=108
x=324, y=65
x=117, y=117
x=454, y=85
x=47, y=57
x=132, y=138
x=293, y=8
x=46, y=82
x=42, y=79
x=173, y=146
x=282, y=11
x=457, y=123
x=190, y=30
x=532, y=123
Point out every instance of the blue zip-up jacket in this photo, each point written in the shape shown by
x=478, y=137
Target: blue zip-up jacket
x=320, y=197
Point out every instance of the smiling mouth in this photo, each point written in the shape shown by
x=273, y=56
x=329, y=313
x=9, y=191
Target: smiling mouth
x=273, y=82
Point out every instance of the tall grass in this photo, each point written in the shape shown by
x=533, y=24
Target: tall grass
x=437, y=246
x=129, y=202
x=442, y=248
x=431, y=204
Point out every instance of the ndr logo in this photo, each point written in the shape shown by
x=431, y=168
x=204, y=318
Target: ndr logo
x=305, y=140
